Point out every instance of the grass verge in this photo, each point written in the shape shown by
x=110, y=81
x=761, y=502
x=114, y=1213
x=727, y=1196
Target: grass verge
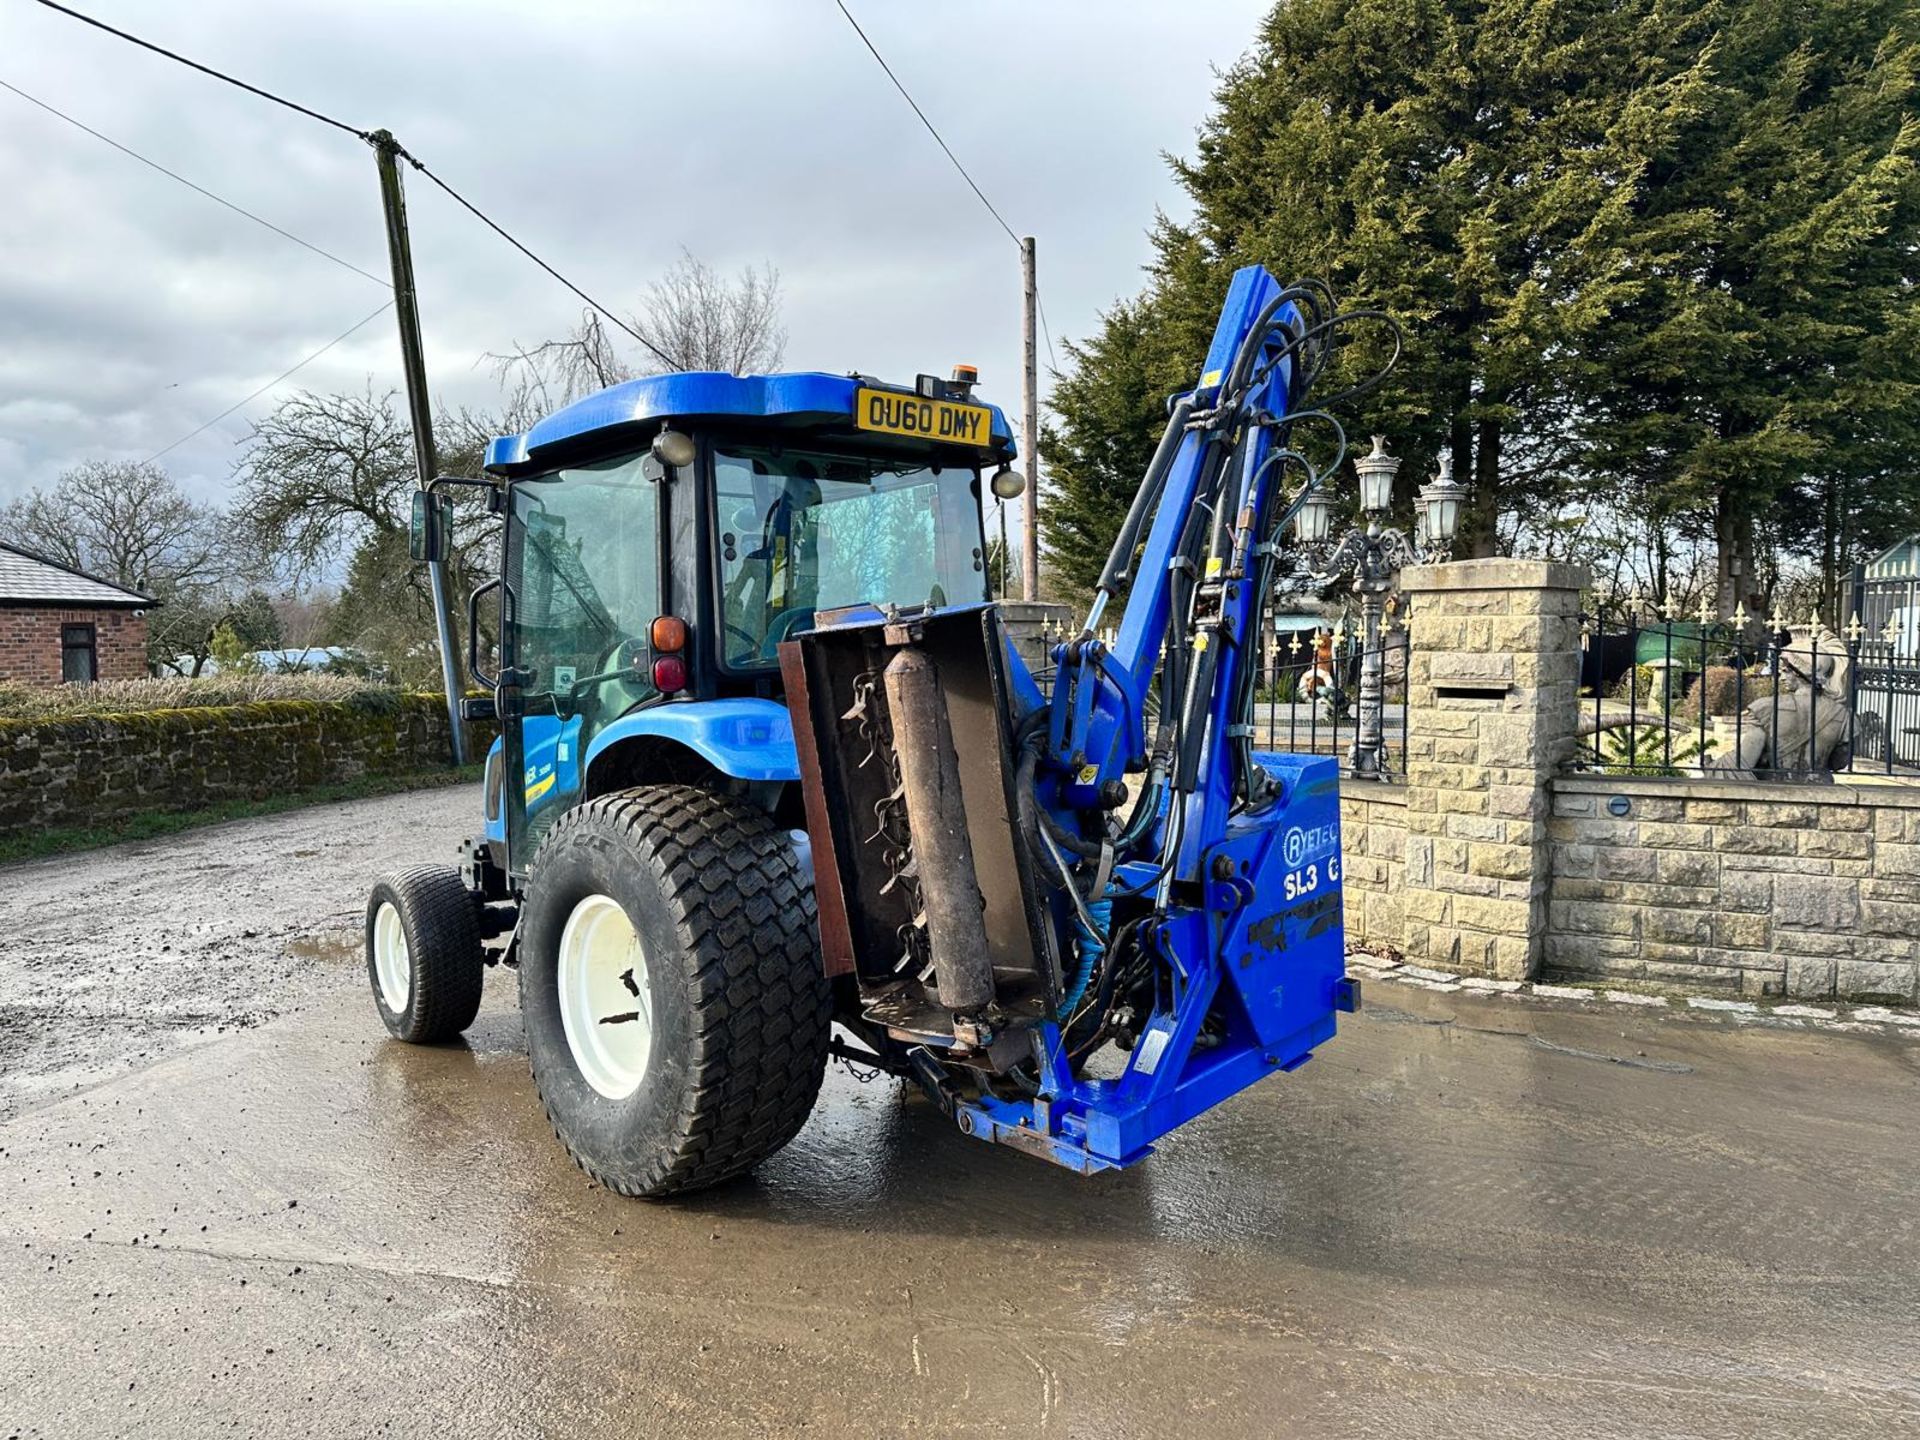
x=152, y=824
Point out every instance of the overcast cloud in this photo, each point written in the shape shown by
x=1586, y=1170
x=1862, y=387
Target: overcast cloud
x=607, y=136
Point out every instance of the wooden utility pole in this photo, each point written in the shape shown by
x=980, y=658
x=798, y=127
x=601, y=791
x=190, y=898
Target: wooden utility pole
x=1030, y=426
x=406, y=308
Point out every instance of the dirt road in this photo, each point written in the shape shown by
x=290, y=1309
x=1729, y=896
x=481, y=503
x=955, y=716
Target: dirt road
x=1464, y=1217
x=113, y=959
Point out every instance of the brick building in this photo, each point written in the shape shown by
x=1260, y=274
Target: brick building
x=57, y=624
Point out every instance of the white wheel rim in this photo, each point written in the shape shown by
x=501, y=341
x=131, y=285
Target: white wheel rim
x=606, y=1004
x=392, y=961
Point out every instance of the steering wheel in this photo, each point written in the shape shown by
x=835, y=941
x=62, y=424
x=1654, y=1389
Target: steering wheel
x=785, y=623
x=753, y=642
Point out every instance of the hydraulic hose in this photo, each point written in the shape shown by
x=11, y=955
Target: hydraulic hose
x=1146, y=499
x=1145, y=811
x=1091, y=948
x=1030, y=739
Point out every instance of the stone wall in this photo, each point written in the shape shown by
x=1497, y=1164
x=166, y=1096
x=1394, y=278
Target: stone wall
x=1027, y=625
x=1373, y=845
x=30, y=642
x=1489, y=860
x=1769, y=889
x=97, y=769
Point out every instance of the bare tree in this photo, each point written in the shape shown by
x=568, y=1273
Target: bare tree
x=693, y=317
x=305, y=619
x=128, y=523
x=700, y=320
x=321, y=472
x=330, y=478
x=553, y=373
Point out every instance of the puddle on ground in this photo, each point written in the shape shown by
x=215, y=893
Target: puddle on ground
x=328, y=947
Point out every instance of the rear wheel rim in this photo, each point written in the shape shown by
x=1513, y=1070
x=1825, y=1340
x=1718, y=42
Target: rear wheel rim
x=392, y=961
x=606, y=1003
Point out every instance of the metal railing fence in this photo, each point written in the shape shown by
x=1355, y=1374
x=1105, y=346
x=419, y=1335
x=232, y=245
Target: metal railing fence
x=1710, y=697
x=1307, y=690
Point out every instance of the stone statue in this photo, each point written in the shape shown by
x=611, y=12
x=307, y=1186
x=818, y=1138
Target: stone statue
x=1810, y=711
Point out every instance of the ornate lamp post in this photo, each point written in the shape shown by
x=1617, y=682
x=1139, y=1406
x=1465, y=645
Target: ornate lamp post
x=1372, y=554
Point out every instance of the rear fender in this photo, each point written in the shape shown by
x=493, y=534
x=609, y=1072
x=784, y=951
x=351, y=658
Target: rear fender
x=743, y=738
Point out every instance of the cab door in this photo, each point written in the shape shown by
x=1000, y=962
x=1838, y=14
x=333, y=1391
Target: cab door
x=583, y=588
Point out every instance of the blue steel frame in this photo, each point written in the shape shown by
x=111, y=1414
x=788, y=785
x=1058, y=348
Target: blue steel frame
x=1264, y=948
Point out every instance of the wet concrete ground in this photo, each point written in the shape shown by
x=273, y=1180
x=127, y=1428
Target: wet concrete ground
x=1464, y=1217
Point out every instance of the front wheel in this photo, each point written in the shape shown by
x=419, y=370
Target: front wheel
x=676, y=1012
x=423, y=954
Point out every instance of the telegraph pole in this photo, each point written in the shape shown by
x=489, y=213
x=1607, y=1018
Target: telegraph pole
x=1030, y=427
x=406, y=309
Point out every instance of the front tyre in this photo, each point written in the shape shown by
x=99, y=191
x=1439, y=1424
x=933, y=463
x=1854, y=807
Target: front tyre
x=676, y=1012
x=424, y=959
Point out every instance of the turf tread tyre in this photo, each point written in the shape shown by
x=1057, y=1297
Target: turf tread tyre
x=740, y=947
x=443, y=941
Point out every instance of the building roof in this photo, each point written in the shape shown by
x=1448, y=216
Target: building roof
x=30, y=578
x=1900, y=561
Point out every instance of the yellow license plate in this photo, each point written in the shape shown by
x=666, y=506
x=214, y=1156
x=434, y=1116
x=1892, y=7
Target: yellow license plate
x=890, y=413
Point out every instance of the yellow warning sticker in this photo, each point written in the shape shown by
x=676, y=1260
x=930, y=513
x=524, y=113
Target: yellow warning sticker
x=1215, y=564
x=1212, y=377
x=1088, y=774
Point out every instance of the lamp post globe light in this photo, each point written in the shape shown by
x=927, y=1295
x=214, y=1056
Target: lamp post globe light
x=1313, y=521
x=1372, y=554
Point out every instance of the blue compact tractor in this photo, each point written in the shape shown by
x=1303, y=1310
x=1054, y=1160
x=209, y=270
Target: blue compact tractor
x=773, y=786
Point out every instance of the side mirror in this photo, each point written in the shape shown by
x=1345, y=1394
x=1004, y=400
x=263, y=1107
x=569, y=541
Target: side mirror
x=431, y=526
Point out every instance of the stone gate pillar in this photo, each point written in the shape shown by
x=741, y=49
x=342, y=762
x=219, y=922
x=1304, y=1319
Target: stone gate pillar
x=1493, y=672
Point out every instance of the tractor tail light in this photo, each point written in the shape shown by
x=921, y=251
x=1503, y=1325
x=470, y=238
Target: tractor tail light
x=669, y=634
x=669, y=674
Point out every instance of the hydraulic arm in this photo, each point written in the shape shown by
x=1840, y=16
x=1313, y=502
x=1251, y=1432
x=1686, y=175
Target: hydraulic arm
x=1014, y=878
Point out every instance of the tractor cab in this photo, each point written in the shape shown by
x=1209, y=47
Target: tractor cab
x=664, y=537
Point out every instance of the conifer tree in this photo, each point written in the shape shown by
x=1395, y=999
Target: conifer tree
x=1654, y=250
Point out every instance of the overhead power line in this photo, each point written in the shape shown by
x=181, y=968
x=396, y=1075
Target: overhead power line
x=198, y=189
x=497, y=229
x=925, y=121
x=1046, y=330
x=947, y=149
x=204, y=69
x=368, y=137
x=283, y=375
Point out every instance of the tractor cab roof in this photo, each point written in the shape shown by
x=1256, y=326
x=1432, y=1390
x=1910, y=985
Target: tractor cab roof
x=848, y=408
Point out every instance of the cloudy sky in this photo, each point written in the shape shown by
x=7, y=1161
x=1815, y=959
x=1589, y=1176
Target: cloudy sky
x=607, y=136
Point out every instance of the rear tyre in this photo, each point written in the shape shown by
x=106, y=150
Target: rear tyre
x=423, y=954
x=670, y=982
